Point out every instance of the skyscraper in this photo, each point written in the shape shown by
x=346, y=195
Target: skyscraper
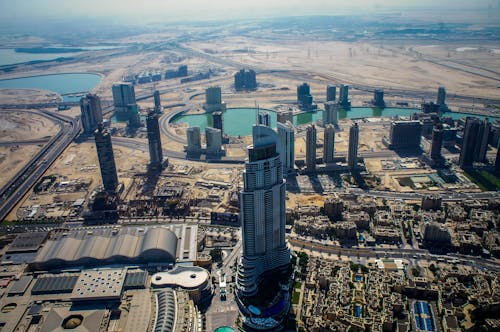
x=330, y=114
x=471, y=131
x=328, y=144
x=437, y=142
x=264, y=118
x=194, y=141
x=213, y=95
x=482, y=141
x=157, y=99
x=245, y=80
x=303, y=92
x=106, y=158
x=344, y=100
x=352, y=155
x=154, y=140
x=331, y=92
x=218, y=121
x=213, y=99
x=124, y=100
x=378, y=98
x=262, y=206
x=213, y=138
x=287, y=138
x=441, y=97
x=311, y=148
x=405, y=134
x=90, y=107
x=304, y=97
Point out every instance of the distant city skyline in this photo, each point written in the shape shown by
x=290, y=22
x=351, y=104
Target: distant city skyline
x=159, y=10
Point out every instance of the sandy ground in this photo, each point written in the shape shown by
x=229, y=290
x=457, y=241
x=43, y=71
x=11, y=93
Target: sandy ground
x=13, y=158
x=27, y=96
x=376, y=64
x=19, y=126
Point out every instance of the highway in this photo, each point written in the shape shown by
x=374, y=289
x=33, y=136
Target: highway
x=376, y=252
x=32, y=172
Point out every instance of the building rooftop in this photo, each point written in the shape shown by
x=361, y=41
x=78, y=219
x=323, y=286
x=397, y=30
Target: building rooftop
x=99, y=285
x=188, y=277
x=27, y=242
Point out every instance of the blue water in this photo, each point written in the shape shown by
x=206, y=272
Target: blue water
x=358, y=278
x=8, y=56
x=60, y=83
x=239, y=121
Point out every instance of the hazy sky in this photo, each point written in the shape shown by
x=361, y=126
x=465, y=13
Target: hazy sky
x=212, y=9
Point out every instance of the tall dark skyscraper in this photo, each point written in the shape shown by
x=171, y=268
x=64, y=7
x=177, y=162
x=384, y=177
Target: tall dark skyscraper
x=263, y=200
x=245, y=80
x=406, y=134
x=218, y=121
x=330, y=114
x=344, y=100
x=437, y=142
x=106, y=158
x=90, y=107
x=304, y=94
x=157, y=100
x=471, y=131
x=475, y=141
x=378, y=98
x=441, y=97
x=213, y=95
x=328, y=144
x=482, y=141
x=154, y=141
x=331, y=92
x=311, y=134
x=125, y=102
x=352, y=154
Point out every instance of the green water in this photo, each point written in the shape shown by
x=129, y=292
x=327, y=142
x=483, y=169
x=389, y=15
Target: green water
x=239, y=121
x=224, y=329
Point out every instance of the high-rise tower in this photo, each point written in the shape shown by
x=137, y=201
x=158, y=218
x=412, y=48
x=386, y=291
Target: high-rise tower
x=194, y=141
x=352, y=155
x=331, y=91
x=441, y=98
x=482, y=140
x=287, y=138
x=154, y=140
x=262, y=206
x=437, y=142
x=90, y=106
x=245, y=80
x=378, y=98
x=471, y=131
x=330, y=114
x=124, y=101
x=218, y=121
x=328, y=144
x=311, y=134
x=344, y=100
x=213, y=99
x=106, y=158
x=157, y=100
